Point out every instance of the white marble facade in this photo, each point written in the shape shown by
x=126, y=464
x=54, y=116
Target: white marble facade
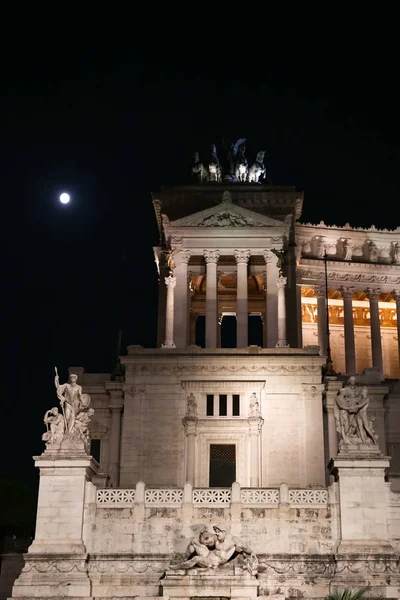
x=318, y=515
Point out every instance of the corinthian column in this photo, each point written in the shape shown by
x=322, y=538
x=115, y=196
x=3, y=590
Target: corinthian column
x=242, y=313
x=396, y=296
x=170, y=282
x=322, y=323
x=211, y=257
x=376, y=342
x=349, y=342
x=271, y=299
x=282, y=341
x=181, y=308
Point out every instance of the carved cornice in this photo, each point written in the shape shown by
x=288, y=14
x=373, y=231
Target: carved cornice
x=353, y=277
x=347, y=227
x=242, y=256
x=211, y=256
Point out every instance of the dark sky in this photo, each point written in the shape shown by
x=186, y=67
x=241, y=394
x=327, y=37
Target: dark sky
x=109, y=123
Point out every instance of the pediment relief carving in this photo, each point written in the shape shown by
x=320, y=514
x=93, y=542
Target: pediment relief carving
x=225, y=214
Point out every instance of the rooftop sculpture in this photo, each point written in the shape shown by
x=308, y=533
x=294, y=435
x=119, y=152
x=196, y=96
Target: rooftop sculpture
x=234, y=168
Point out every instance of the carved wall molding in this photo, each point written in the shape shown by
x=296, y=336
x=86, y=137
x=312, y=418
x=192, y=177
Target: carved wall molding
x=225, y=384
x=313, y=390
x=190, y=369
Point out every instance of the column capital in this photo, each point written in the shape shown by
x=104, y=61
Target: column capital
x=347, y=292
x=190, y=424
x=211, y=256
x=170, y=281
x=242, y=256
x=185, y=256
x=281, y=282
x=396, y=295
x=116, y=399
x=373, y=294
x=267, y=256
x=320, y=291
x=255, y=424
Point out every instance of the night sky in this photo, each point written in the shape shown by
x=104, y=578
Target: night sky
x=109, y=124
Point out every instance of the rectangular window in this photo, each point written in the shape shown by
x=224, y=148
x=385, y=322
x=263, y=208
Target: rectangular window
x=236, y=405
x=223, y=405
x=210, y=405
x=95, y=449
x=222, y=465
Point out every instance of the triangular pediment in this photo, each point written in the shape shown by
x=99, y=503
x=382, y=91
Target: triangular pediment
x=226, y=214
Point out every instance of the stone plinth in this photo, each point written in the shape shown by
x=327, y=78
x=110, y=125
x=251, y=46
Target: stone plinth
x=62, y=489
x=177, y=584
x=55, y=565
x=360, y=470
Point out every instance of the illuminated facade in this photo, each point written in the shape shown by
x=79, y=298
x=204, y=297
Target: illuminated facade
x=232, y=418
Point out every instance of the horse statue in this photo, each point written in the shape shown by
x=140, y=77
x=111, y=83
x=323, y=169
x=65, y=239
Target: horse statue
x=198, y=169
x=258, y=171
x=214, y=168
x=241, y=164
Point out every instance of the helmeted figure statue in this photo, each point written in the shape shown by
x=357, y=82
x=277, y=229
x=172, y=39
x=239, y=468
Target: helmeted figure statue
x=214, y=168
x=257, y=170
x=241, y=164
x=199, y=171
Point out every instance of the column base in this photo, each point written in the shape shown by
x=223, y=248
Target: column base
x=282, y=344
x=168, y=345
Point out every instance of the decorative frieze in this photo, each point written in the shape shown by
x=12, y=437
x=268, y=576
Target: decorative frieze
x=210, y=369
x=354, y=277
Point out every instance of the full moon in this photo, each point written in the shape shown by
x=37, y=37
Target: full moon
x=64, y=198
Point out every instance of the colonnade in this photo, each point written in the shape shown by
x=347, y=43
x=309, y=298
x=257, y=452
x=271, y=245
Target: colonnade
x=349, y=337
x=177, y=301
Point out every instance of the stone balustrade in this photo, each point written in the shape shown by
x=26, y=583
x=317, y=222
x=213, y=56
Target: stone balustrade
x=216, y=497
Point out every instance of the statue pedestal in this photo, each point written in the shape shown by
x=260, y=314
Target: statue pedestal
x=214, y=584
x=360, y=471
x=56, y=561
